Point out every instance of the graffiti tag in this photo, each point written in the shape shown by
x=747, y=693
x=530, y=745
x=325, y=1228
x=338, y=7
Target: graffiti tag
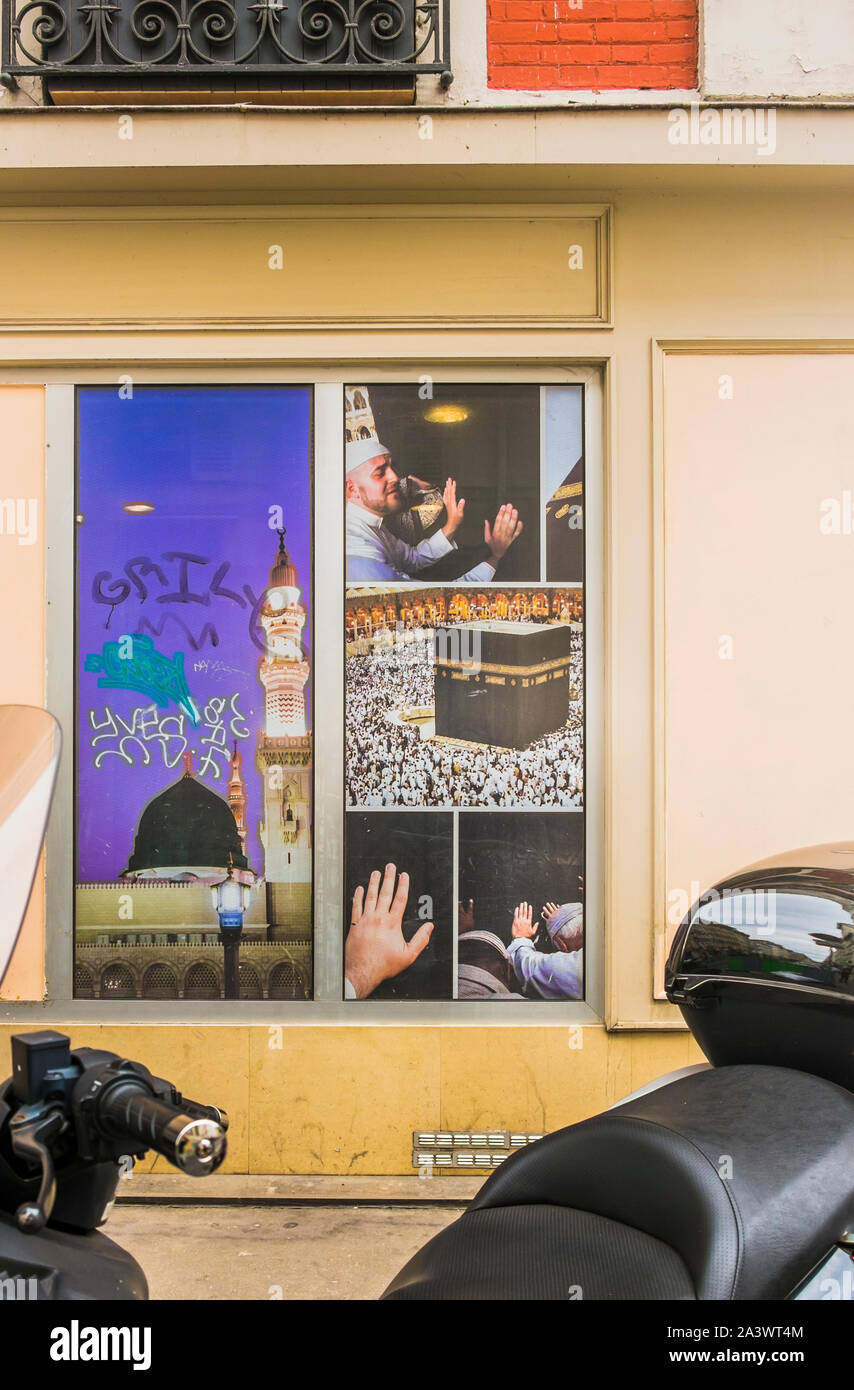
x=132, y=739
x=134, y=663
x=137, y=580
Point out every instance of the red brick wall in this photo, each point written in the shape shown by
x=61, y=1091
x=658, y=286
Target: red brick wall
x=551, y=45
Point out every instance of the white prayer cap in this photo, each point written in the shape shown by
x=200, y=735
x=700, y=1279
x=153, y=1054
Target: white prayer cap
x=359, y=451
x=568, y=922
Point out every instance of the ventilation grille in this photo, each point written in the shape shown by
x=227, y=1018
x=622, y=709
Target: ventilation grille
x=441, y=1149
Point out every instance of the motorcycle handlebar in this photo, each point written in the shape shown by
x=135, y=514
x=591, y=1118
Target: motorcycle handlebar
x=189, y=1135
x=204, y=1112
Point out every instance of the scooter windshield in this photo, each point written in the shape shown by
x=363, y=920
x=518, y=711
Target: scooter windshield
x=30, y=744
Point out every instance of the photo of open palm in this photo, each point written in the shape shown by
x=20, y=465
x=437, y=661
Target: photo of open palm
x=376, y=949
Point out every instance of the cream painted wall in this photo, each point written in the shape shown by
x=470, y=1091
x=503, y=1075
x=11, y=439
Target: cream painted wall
x=495, y=268
x=773, y=48
x=696, y=267
x=760, y=579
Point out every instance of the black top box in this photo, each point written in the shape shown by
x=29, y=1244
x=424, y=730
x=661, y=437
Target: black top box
x=762, y=967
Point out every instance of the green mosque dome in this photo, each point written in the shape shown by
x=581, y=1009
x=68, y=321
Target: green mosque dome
x=186, y=826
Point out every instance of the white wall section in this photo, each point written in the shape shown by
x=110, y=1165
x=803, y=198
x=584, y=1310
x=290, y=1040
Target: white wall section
x=801, y=49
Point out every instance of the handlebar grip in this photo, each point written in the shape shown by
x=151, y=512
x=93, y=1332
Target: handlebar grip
x=204, y=1112
x=194, y=1142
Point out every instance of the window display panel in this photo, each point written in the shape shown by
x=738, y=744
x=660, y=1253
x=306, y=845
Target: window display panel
x=464, y=698
x=400, y=891
x=194, y=761
x=521, y=906
x=464, y=681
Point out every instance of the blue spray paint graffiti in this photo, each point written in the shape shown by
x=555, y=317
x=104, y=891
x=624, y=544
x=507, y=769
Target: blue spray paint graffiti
x=134, y=663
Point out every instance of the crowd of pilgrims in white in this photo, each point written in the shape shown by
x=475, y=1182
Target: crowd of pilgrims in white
x=389, y=764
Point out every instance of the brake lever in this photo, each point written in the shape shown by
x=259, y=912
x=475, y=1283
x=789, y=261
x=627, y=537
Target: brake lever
x=30, y=1135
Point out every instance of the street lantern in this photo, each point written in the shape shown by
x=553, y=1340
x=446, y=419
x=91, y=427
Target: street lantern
x=231, y=900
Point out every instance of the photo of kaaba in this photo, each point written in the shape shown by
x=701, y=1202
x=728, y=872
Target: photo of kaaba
x=461, y=696
x=502, y=683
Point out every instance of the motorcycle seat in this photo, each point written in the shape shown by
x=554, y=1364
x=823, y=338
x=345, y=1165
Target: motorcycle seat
x=730, y=1184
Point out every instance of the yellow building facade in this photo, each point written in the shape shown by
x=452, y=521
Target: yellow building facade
x=710, y=314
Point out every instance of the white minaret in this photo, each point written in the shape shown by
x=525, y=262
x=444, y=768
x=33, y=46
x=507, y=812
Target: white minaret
x=284, y=752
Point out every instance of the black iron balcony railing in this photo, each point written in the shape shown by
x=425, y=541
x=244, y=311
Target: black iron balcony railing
x=190, y=38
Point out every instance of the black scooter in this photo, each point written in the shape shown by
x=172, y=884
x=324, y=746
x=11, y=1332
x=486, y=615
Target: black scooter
x=71, y=1120
x=733, y=1181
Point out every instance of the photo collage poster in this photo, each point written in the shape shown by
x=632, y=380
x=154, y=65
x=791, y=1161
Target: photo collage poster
x=464, y=692
x=194, y=762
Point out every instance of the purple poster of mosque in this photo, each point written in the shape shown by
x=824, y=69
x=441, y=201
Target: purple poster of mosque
x=193, y=724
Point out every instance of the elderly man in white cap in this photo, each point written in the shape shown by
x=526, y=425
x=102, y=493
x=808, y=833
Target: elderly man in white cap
x=373, y=492
x=550, y=975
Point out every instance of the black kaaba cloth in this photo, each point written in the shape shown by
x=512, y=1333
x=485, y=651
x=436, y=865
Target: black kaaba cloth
x=502, y=683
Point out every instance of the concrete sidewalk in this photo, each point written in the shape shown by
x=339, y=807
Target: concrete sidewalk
x=270, y=1251
x=289, y=1188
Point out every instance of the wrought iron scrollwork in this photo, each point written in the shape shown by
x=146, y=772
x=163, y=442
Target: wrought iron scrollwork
x=106, y=37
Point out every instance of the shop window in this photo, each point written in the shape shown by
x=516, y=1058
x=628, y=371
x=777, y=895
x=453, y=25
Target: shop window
x=451, y=865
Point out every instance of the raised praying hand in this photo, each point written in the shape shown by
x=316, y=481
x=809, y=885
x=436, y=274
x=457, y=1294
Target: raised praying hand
x=523, y=921
x=503, y=533
x=376, y=949
x=454, y=509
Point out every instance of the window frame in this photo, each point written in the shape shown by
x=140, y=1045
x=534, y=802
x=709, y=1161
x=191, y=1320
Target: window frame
x=327, y=1005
